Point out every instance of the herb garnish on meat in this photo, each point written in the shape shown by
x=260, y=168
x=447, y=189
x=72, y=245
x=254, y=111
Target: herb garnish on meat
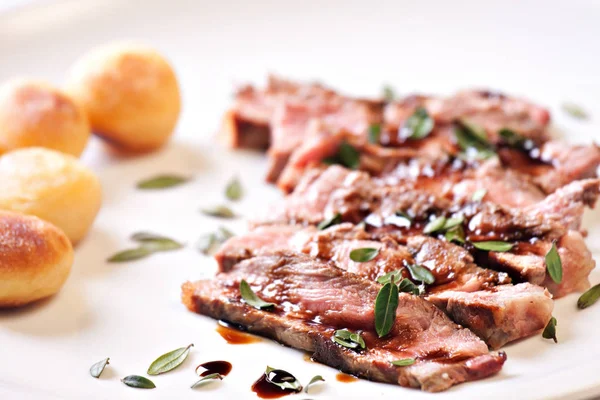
x=554, y=264
x=386, y=304
x=363, y=255
x=348, y=339
x=252, y=298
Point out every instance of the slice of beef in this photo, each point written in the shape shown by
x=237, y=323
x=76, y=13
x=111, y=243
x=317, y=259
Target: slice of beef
x=500, y=314
x=355, y=197
x=313, y=299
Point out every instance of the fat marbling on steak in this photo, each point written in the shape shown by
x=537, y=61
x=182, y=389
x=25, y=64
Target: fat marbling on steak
x=313, y=299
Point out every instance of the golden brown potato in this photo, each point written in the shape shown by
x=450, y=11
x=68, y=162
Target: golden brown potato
x=130, y=94
x=35, y=259
x=34, y=113
x=54, y=186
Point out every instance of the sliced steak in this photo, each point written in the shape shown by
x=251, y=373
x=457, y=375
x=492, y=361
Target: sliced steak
x=501, y=314
x=313, y=299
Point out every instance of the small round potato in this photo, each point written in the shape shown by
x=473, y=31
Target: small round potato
x=54, y=186
x=130, y=94
x=35, y=259
x=34, y=113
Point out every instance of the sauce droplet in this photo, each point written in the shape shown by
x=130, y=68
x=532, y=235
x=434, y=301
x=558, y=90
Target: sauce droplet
x=214, y=367
x=308, y=358
x=341, y=377
x=266, y=390
x=234, y=336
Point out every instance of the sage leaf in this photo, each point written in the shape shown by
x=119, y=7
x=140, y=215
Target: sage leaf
x=156, y=242
x=453, y=222
x=435, y=225
x=315, y=379
x=389, y=93
x=169, y=361
x=493, y=245
x=554, y=264
x=97, y=368
x=393, y=276
x=574, y=110
x=456, y=234
x=479, y=195
x=219, y=211
x=406, y=286
x=162, y=182
x=399, y=219
x=130, y=255
x=140, y=382
x=418, y=126
x=386, y=304
x=374, y=133
x=473, y=141
x=403, y=362
x=283, y=379
x=364, y=255
x=515, y=140
x=420, y=273
x=348, y=339
x=327, y=223
x=234, y=190
x=348, y=156
x=589, y=297
x=251, y=298
x=209, y=243
x=207, y=378
x=550, y=330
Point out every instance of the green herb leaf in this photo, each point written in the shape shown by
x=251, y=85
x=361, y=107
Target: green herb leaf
x=473, y=141
x=363, y=255
x=169, y=361
x=327, y=223
x=162, y=182
x=393, y=276
x=348, y=156
x=406, y=286
x=251, y=298
x=156, y=242
x=453, y=222
x=417, y=126
x=209, y=243
x=96, y=369
x=388, y=93
x=140, y=382
x=130, y=255
x=374, y=133
x=589, y=297
x=554, y=264
x=420, y=273
x=348, y=339
x=315, y=379
x=207, y=378
x=435, y=225
x=493, y=245
x=456, y=234
x=515, y=140
x=285, y=380
x=234, y=190
x=479, y=195
x=399, y=219
x=550, y=330
x=404, y=362
x=219, y=211
x=574, y=111
x=386, y=304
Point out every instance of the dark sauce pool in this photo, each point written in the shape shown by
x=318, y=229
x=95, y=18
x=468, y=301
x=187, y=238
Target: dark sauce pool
x=214, y=367
x=267, y=390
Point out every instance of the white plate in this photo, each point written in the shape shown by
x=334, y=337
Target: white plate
x=132, y=313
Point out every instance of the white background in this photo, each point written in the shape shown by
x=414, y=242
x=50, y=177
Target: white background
x=545, y=50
